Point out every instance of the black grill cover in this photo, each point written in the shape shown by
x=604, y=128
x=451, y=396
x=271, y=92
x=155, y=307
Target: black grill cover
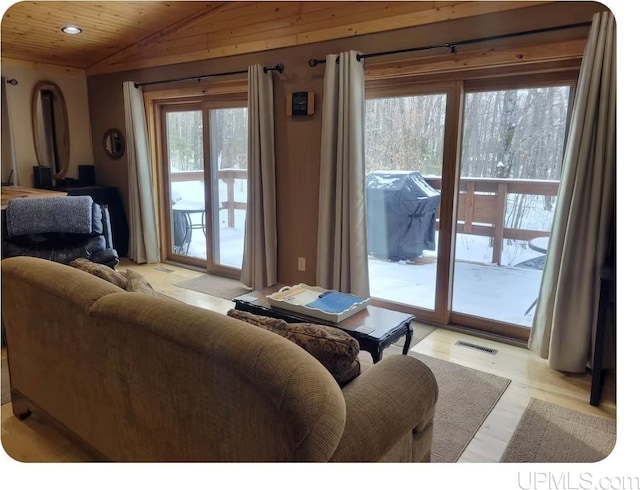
x=401, y=214
x=181, y=231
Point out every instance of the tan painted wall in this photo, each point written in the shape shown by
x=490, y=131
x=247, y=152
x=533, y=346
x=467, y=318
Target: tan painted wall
x=73, y=84
x=298, y=139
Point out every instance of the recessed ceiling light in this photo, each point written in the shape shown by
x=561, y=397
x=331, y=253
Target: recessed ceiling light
x=71, y=30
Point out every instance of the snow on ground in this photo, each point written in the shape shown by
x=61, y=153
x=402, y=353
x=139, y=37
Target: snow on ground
x=480, y=288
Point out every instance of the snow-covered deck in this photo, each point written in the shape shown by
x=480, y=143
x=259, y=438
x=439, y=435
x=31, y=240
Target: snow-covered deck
x=502, y=293
x=480, y=287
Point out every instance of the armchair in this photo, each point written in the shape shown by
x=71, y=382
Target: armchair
x=60, y=229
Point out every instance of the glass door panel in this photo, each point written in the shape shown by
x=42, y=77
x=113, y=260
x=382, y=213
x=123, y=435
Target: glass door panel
x=511, y=158
x=229, y=147
x=404, y=145
x=186, y=183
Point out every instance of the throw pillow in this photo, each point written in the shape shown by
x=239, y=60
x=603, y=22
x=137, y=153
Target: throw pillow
x=100, y=270
x=266, y=322
x=136, y=283
x=335, y=349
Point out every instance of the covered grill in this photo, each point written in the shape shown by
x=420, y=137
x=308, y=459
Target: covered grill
x=401, y=214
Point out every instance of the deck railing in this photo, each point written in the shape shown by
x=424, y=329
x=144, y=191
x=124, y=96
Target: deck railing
x=482, y=203
x=482, y=207
x=228, y=176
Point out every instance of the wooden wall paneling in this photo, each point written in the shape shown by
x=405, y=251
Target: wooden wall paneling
x=38, y=66
x=480, y=58
x=214, y=34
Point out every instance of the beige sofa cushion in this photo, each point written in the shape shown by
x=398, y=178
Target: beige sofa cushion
x=100, y=270
x=336, y=350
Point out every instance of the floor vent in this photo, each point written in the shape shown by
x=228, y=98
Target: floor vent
x=482, y=348
x=163, y=269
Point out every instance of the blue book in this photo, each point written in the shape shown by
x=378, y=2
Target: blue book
x=335, y=302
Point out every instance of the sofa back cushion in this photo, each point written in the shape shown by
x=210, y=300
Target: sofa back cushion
x=336, y=350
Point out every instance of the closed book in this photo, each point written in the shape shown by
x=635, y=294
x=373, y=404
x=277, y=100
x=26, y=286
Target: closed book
x=335, y=302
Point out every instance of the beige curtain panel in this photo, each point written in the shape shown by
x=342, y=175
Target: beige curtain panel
x=342, y=262
x=143, y=231
x=565, y=320
x=260, y=260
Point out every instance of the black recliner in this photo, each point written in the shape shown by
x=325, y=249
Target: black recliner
x=60, y=229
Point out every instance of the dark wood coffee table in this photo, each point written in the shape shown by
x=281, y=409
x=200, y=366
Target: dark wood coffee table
x=374, y=328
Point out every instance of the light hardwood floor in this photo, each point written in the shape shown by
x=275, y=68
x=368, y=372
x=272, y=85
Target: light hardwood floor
x=33, y=439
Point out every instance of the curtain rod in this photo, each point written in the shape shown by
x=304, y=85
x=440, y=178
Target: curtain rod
x=279, y=68
x=452, y=46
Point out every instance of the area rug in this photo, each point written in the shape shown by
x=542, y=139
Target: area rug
x=221, y=287
x=548, y=433
x=420, y=332
x=4, y=383
x=465, y=398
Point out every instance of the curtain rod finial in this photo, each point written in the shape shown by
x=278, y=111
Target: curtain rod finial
x=313, y=62
x=279, y=68
x=13, y=82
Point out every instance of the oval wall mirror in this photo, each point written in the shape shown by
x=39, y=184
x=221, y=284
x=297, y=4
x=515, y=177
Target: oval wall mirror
x=113, y=143
x=50, y=128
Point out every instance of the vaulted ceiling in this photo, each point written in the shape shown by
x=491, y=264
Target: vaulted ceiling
x=119, y=36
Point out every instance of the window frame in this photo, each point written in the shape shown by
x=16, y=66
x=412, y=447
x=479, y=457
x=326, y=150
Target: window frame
x=207, y=95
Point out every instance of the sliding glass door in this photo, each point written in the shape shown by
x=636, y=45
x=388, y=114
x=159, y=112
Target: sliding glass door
x=404, y=143
x=461, y=186
x=228, y=134
x=205, y=182
x=186, y=190
x=512, y=146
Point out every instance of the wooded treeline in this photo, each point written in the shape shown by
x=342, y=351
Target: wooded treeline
x=507, y=133
x=228, y=128
x=515, y=134
x=511, y=134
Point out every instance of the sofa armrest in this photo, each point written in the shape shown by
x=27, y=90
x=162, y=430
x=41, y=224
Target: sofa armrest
x=388, y=401
x=107, y=256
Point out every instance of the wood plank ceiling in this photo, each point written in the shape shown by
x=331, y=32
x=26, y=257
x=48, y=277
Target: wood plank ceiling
x=121, y=36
